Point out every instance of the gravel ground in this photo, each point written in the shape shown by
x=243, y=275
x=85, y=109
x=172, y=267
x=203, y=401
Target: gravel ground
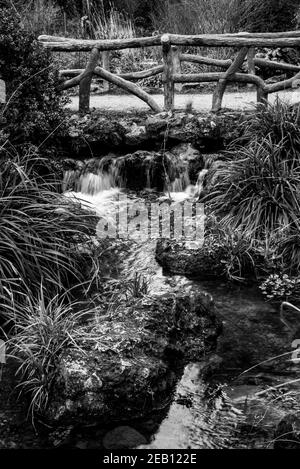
x=200, y=102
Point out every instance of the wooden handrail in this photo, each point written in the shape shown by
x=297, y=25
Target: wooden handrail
x=205, y=60
x=85, y=45
x=131, y=76
x=172, y=60
x=276, y=65
x=288, y=39
x=219, y=40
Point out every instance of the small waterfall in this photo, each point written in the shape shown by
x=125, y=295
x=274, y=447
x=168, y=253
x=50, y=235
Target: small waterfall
x=200, y=182
x=180, y=184
x=94, y=177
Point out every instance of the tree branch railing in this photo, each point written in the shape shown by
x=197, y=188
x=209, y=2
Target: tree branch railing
x=171, y=68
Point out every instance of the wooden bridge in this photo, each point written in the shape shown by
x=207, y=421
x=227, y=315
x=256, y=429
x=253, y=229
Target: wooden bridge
x=171, y=70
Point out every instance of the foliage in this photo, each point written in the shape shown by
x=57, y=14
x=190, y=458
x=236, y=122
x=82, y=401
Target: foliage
x=269, y=15
x=34, y=108
x=238, y=256
x=281, y=287
x=256, y=195
x=278, y=121
x=288, y=250
x=137, y=287
x=41, y=234
x=43, y=330
x=194, y=16
x=38, y=16
x=258, y=191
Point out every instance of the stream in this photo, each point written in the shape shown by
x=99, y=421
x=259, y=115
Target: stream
x=228, y=400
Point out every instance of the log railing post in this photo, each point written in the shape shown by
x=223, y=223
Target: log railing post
x=105, y=66
x=85, y=82
x=221, y=87
x=168, y=72
x=251, y=63
x=177, y=66
x=262, y=95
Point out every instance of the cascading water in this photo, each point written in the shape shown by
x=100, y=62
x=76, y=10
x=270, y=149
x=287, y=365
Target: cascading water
x=96, y=176
x=101, y=190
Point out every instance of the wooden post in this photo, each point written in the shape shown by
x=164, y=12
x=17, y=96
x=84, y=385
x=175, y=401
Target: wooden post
x=177, y=67
x=85, y=82
x=251, y=63
x=221, y=87
x=105, y=66
x=168, y=72
x=262, y=95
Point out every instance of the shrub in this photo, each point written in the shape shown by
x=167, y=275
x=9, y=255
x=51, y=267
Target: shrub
x=34, y=108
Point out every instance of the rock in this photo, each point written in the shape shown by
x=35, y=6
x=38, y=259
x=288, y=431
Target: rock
x=136, y=136
x=123, y=437
x=96, y=133
x=176, y=258
x=157, y=123
x=133, y=358
x=145, y=169
x=186, y=152
x=142, y=169
x=191, y=157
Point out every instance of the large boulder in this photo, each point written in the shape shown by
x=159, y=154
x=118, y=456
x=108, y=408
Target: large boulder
x=133, y=357
x=177, y=258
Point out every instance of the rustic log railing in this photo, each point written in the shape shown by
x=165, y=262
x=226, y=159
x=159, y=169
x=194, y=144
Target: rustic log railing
x=171, y=69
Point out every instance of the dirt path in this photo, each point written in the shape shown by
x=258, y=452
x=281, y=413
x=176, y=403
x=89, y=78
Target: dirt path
x=200, y=102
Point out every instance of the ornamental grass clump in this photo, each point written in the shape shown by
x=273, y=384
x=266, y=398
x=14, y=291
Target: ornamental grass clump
x=41, y=236
x=258, y=190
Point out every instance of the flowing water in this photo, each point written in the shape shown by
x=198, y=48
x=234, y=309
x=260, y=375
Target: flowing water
x=252, y=333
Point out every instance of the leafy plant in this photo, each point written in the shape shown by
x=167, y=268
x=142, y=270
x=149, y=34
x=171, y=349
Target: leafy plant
x=281, y=287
